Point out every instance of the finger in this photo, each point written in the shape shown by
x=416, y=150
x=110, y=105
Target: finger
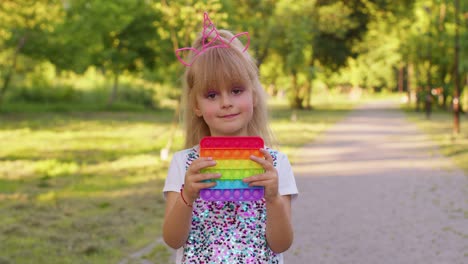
x=258, y=177
x=204, y=185
x=267, y=155
x=201, y=163
x=200, y=177
x=265, y=163
x=263, y=183
x=200, y=181
x=206, y=176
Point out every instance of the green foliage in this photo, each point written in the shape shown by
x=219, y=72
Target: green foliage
x=340, y=43
x=378, y=57
x=256, y=17
x=129, y=98
x=19, y=18
x=140, y=96
x=44, y=94
x=41, y=85
x=339, y=25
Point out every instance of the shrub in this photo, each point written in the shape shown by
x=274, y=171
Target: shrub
x=138, y=95
x=40, y=94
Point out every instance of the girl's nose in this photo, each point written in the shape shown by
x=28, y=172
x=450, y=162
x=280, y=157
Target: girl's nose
x=226, y=101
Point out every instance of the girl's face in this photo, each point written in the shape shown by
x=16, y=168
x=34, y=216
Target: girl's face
x=227, y=111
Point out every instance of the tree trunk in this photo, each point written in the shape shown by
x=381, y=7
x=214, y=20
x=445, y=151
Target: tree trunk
x=456, y=96
x=427, y=97
x=12, y=69
x=6, y=83
x=297, y=99
x=261, y=56
x=115, y=87
x=400, y=78
x=308, y=87
x=409, y=79
x=310, y=79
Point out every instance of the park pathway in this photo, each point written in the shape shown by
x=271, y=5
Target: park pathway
x=375, y=190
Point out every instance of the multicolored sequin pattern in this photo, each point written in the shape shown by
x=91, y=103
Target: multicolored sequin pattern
x=228, y=231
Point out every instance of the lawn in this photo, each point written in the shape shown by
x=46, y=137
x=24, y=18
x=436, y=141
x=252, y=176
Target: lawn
x=85, y=187
x=440, y=129
x=79, y=187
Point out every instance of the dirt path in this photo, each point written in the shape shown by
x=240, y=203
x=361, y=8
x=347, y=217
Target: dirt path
x=374, y=189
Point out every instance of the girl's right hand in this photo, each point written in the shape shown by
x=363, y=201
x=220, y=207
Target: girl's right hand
x=194, y=178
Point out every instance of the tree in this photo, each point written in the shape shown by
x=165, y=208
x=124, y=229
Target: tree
x=120, y=34
x=292, y=43
x=382, y=51
x=257, y=18
x=21, y=21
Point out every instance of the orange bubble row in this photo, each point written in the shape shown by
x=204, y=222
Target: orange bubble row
x=230, y=153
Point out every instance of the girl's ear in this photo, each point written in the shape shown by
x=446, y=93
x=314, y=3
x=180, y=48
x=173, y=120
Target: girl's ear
x=197, y=111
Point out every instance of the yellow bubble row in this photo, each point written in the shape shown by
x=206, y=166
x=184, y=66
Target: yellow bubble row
x=236, y=164
x=234, y=174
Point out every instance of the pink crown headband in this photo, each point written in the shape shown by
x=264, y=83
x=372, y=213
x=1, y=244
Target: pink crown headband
x=208, y=29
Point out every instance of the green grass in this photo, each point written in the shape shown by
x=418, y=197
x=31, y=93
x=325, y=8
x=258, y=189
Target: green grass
x=85, y=187
x=80, y=187
x=70, y=107
x=440, y=129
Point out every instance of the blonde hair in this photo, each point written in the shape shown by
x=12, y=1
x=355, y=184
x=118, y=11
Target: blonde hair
x=218, y=67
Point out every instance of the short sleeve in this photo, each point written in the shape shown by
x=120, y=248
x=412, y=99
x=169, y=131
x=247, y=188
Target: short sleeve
x=287, y=182
x=176, y=173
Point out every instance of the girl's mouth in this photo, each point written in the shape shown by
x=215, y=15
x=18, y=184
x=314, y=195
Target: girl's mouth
x=229, y=116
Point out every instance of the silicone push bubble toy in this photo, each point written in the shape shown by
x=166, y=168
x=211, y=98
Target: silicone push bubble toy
x=232, y=155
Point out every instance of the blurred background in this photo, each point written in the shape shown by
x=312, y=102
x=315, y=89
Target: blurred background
x=90, y=101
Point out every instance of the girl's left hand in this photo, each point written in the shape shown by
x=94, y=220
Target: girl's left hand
x=268, y=179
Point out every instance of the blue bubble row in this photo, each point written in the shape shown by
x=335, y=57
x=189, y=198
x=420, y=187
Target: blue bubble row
x=229, y=184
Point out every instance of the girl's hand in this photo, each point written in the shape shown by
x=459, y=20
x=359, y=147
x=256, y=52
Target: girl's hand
x=268, y=179
x=193, y=178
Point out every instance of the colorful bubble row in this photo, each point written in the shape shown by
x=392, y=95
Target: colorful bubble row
x=230, y=153
x=236, y=164
x=229, y=184
x=234, y=174
x=250, y=194
x=232, y=142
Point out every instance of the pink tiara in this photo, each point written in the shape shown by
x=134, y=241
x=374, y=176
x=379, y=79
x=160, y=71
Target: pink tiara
x=208, y=30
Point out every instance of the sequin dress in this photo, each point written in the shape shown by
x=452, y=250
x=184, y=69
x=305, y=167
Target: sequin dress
x=228, y=232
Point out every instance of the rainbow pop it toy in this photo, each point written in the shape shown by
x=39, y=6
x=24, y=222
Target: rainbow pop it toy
x=232, y=155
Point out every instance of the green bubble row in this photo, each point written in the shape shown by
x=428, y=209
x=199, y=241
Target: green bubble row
x=236, y=164
x=234, y=174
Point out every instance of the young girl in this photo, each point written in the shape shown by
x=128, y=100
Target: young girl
x=223, y=97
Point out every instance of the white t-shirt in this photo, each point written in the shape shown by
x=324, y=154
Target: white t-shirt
x=210, y=237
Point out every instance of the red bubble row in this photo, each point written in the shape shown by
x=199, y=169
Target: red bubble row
x=232, y=142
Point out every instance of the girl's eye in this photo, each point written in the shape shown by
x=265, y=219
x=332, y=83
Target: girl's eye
x=237, y=90
x=211, y=94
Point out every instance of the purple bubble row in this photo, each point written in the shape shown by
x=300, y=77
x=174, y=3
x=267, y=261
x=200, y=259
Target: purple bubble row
x=250, y=194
